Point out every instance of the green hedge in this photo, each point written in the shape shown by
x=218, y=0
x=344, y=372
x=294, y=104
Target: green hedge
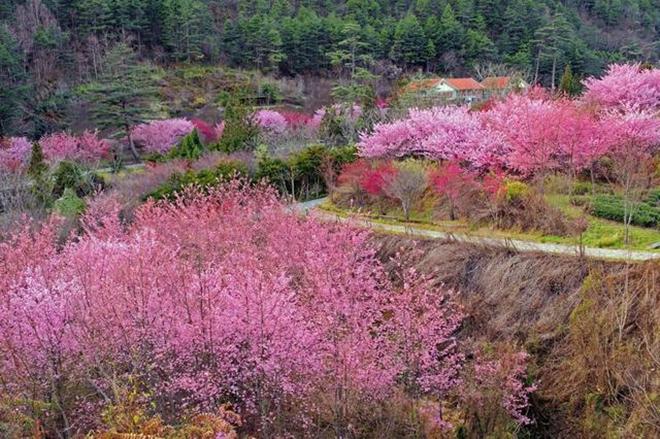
x=204, y=179
x=303, y=171
x=611, y=207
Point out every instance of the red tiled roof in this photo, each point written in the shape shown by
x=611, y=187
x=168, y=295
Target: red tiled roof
x=496, y=82
x=422, y=84
x=464, y=84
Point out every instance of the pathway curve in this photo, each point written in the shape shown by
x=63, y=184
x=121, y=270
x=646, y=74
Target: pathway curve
x=516, y=244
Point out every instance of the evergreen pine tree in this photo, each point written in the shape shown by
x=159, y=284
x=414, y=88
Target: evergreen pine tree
x=569, y=83
x=37, y=171
x=124, y=94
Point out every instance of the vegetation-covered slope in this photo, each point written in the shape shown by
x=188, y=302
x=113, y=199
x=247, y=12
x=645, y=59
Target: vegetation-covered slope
x=591, y=328
x=46, y=45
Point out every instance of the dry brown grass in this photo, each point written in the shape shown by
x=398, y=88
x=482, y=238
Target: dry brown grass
x=593, y=329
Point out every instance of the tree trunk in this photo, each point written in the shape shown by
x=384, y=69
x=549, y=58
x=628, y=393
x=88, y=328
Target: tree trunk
x=131, y=144
x=536, y=70
x=554, y=71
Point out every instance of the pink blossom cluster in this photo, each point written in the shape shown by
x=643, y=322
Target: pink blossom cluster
x=525, y=133
x=86, y=148
x=625, y=85
x=224, y=296
x=440, y=133
x=208, y=133
x=271, y=121
x=14, y=153
x=160, y=136
x=296, y=120
x=506, y=377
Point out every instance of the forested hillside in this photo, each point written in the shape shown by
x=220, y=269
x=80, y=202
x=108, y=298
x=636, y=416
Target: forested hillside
x=48, y=45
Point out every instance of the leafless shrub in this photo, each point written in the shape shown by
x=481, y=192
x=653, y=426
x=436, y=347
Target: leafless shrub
x=16, y=201
x=407, y=185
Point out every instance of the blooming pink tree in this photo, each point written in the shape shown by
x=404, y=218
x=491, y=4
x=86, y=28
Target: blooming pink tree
x=633, y=138
x=87, y=147
x=160, y=136
x=530, y=128
x=215, y=297
x=501, y=381
x=14, y=153
x=296, y=120
x=375, y=178
x=440, y=133
x=624, y=86
x=208, y=133
x=452, y=182
x=271, y=121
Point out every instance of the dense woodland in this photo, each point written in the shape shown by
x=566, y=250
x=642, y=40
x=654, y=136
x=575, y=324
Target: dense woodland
x=48, y=46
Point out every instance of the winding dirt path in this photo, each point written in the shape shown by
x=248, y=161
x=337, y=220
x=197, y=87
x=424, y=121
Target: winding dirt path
x=309, y=207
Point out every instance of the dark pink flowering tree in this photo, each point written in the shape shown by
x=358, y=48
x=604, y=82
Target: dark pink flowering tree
x=207, y=132
x=375, y=178
x=452, y=182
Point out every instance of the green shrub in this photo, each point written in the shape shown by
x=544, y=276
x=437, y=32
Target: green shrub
x=74, y=176
x=240, y=131
x=612, y=207
x=270, y=93
x=275, y=171
x=342, y=155
x=654, y=197
x=204, y=178
x=190, y=147
x=581, y=188
x=516, y=191
x=69, y=205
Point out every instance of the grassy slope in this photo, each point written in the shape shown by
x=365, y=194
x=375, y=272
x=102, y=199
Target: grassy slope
x=601, y=233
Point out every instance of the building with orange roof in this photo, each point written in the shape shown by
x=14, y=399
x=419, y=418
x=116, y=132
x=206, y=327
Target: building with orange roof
x=445, y=90
x=502, y=85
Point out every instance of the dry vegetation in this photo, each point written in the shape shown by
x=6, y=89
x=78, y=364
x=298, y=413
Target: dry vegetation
x=593, y=329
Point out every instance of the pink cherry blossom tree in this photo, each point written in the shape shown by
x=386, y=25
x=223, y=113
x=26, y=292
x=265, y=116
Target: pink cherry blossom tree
x=624, y=86
x=160, y=136
x=224, y=296
x=441, y=133
x=86, y=148
x=271, y=121
x=530, y=128
x=14, y=153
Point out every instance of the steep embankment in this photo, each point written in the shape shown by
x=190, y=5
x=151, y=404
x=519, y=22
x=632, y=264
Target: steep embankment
x=592, y=327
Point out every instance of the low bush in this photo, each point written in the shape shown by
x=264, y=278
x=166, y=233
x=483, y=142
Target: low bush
x=516, y=191
x=520, y=207
x=611, y=207
x=74, y=176
x=306, y=174
x=190, y=147
x=204, y=179
x=69, y=205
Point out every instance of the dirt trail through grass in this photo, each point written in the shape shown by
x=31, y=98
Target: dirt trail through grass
x=515, y=244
